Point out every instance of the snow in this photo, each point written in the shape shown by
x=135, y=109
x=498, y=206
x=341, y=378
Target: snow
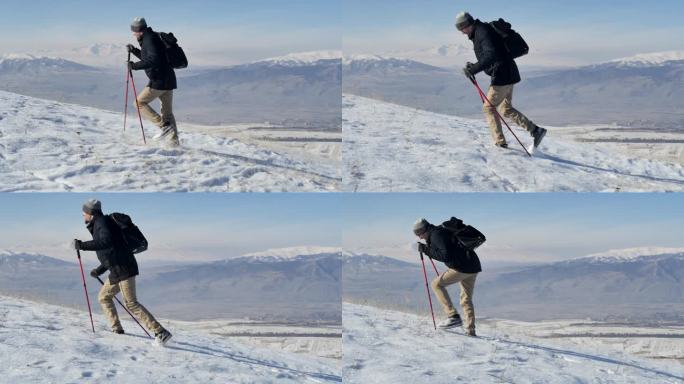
x=289, y=253
x=304, y=58
x=630, y=254
x=52, y=146
x=42, y=343
x=654, y=59
x=383, y=346
x=388, y=147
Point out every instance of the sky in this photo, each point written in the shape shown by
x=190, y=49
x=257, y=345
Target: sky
x=538, y=227
x=559, y=33
x=178, y=227
x=213, y=32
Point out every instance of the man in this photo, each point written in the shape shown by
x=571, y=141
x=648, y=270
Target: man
x=153, y=60
x=115, y=257
x=463, y=267
x=494, y=59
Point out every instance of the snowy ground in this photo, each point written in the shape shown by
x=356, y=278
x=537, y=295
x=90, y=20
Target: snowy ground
x=389, y=147
x=388, y=347
x=50, y=146
x=43, y=343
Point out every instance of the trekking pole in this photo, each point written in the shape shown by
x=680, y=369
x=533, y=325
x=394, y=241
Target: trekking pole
x=126, y=309
x=137, y=106
x=128, y=80
x=78, y=253
x=432, y=312
x=433, y=265
x=484, y=98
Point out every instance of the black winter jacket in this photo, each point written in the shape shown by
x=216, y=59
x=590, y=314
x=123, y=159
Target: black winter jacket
x=492, y=56
x=111, y=251
x=443, y=247
x=153, y=60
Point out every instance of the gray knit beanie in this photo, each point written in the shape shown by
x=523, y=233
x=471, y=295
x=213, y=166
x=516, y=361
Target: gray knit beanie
x=464, y=20
x=139, y=24
x=91, y=206
x=420, y=226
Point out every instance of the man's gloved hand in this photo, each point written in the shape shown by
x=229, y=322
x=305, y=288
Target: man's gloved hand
x=130, y=47
x=467, y=71
x=422, y=247
x=94, y=273
x=130, y=65
x=76, y=244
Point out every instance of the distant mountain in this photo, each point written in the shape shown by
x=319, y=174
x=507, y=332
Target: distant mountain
x=642, y=91
x=283, y=286
x=294, y=90
x=625, y=285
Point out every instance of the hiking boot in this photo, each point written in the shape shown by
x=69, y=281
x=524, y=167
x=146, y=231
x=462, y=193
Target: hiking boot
x=538, y=135
x=502, y=145
x=166, y=130
x=118, y=331
x=163, y=337
x=451, y=322
x=471, y=333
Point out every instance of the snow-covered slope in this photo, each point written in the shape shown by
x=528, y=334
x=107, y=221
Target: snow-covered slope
x=51, y=146
x=42, y=343
x=392, y=347
x=389, y=147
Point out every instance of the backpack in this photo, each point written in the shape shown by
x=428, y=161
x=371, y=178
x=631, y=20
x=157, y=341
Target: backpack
x=134, y=240
x=515, y=44
x=465, y=235
x=174, y=53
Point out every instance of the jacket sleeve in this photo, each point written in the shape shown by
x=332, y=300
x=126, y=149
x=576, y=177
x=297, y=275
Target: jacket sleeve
x=152, y=56
x=136, y=52
x=101, y=269
x=437, y=249
x=104, y=240
x=488, y=55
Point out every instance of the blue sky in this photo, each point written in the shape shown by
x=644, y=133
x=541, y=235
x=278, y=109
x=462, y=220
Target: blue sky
x=521, y=227
x=178, y=226
x=229, y=30
x=559, y=32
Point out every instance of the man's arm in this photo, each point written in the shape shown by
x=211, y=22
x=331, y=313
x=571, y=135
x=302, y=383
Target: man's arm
x=104, y=239
x=488, y=56
x=153, y=58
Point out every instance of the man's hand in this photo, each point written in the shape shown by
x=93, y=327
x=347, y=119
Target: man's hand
x=130, y=47
x=130, y=65
x=94, y=273
x=467, y=71
x=76, y=244
x=422, y=247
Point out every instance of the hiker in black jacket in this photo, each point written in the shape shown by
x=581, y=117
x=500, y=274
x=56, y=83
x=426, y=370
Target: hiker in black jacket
x=153, y=60
x=494, y=59
x=115, y=257
x=463, y=267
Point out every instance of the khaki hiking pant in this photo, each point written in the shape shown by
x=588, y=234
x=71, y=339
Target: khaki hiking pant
x=127, y=289
x=501, y=97
x=467, y=281
x=146, y=96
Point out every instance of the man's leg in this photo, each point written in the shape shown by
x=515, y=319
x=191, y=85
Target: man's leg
x=467, y=287
x=496, y=95
x=145, y=97
x=131, y=301
x=106, y=299
x=513, y=114
x=439, y=284
x=167, y=113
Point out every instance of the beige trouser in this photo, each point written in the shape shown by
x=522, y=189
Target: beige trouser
x=467, y=280
x=165, y=97
x=127, y=289
x=501, y=96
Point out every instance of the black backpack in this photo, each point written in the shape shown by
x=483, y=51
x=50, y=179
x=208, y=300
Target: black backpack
x=514, y=43
x=134, y=239
x=468, y=237
x=174, y=53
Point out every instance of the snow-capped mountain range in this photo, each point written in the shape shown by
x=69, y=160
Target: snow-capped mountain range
x=303, y=58
x=654, y=59
x=291, y=253
x=630, y=255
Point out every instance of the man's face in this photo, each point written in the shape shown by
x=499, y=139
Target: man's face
x=467, y=30
x=137, y=35
x=423, y=236
x=87, y=217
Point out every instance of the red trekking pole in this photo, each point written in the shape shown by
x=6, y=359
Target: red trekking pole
x=78, y=253
x=433, y=265
x=484, y=98
x=135, y=93
x=128, y=80
x=432, y=312
x=126, y=309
